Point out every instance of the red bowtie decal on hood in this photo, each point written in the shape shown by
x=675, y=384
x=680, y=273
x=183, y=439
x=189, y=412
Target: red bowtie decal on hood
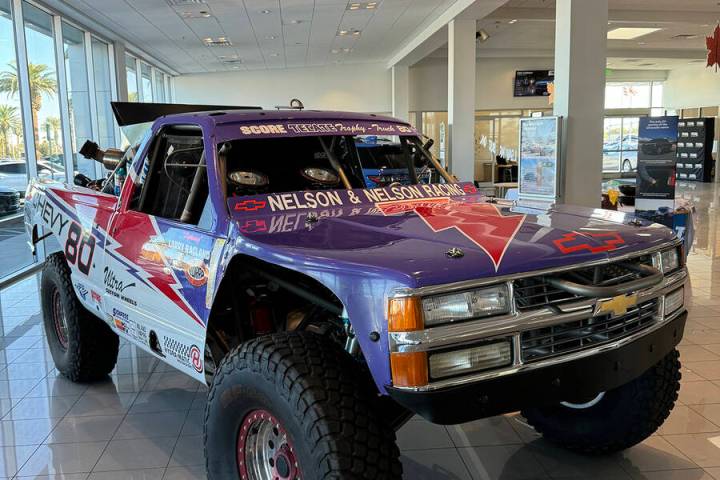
x=481, y=223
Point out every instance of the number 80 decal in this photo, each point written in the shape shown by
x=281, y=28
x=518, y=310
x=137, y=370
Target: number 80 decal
x=79, y=246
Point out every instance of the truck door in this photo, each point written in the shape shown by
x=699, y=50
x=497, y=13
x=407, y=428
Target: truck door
x=157, y=273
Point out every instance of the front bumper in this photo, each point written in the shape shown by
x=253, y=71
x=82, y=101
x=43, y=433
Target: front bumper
x=579, y=378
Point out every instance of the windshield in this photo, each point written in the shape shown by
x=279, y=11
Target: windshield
x=287, y=164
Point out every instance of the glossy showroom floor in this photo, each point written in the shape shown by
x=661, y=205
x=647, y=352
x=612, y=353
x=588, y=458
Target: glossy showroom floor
x=145, y=421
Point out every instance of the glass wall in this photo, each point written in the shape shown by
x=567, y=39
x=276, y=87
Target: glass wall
x=633, y=94
x=54, y=95
x=146, y=83
x=78, y=96
x=131, y=76
x=44, y=102
x=106, y=125
x=13, y=163
x=620, y=144
x=160, y=87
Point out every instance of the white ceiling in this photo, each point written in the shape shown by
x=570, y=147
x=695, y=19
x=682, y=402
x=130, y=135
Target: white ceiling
x=294, y=33
x=532, y=32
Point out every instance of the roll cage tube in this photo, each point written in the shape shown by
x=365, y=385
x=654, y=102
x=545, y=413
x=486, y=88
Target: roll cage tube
x=409, y=161
x=334, y=161
x=433, y=161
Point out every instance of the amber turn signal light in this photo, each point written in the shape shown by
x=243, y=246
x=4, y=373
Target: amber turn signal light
x=405, y=314
x=409, y=369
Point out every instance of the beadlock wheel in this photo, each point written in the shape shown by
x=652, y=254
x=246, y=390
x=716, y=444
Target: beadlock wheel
x=59, y=319
x=264, y=451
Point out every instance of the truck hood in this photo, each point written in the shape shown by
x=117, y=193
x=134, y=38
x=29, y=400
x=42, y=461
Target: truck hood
x=449, y=234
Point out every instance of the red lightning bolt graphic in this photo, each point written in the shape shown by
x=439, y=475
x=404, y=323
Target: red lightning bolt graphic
x=481, y=223
x=143, y=229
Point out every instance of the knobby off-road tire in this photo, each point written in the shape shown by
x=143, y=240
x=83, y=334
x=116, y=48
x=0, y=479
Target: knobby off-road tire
x=83, y=347
x=623, y=417
x=313, y=403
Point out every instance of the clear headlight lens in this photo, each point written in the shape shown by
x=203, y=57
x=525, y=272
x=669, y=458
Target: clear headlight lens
x=454, y=307
x=670, y=260
x=674, y=301
x=458, y=362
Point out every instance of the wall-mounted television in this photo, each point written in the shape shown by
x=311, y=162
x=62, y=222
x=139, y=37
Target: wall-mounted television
x=533, y=83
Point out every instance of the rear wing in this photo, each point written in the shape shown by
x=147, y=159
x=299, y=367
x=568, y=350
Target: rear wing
x=132, y=113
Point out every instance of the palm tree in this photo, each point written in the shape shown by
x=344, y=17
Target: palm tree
x=9, y=121
x=42, y=82
x=52, y=127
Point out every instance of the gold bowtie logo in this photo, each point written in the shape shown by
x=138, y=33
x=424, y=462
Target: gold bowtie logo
x=616, y=306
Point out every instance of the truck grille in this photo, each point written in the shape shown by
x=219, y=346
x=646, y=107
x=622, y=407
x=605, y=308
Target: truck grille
x=547, y=342
x=535, y=292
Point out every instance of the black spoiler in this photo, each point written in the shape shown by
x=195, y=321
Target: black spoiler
x=131, y=113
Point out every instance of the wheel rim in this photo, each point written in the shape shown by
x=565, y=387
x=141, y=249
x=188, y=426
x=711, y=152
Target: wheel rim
x=59, y=319
x=264, y=450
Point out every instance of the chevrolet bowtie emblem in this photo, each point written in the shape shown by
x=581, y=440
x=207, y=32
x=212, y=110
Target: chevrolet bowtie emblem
x=616, y=306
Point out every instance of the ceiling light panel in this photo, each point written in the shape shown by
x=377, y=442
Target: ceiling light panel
x=357, y=6
x=184, y=3
x=217, y=42
x=630, y=33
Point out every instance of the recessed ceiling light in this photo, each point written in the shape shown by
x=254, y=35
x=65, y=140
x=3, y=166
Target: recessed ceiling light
x=270, y=37
x=217, y=42
x=642, y=43
x=266, y=11
x=352, y=31
x=335, y=50
x=295, y=22
x=201, y=14
x=274, y=55
x=514, y=20
x=354, y=6
x=629, y=33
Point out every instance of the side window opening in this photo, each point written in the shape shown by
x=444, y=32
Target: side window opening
x=176, y=184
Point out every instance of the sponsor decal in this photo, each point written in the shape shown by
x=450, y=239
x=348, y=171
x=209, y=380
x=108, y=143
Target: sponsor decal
x=197, y=275
x=262, y=129
x=578, y=241
x=250, y=205
x=96, y=297
x=186, y=249
x=196, y=358
x=119, y=324
x=293, y=201
x=129, y=326
x=117, y=287
x=482, y=223
x=81, y=290
x=52, y=218
x=188, y=356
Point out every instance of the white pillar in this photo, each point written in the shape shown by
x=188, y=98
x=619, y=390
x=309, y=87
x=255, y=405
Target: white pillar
x=580, y=59
x=401, y=92
x=120, y=71
x=461, y=98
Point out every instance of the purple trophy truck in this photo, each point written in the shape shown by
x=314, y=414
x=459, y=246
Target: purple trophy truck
x=246, y=249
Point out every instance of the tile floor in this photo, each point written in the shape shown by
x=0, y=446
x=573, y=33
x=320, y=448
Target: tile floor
x=144, y=422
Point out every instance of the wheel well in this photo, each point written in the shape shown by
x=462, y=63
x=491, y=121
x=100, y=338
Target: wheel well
x=257, y=298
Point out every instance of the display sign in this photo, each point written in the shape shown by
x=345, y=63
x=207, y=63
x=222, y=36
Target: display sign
x=657, y=147
x=539, y=158
x=532, y=83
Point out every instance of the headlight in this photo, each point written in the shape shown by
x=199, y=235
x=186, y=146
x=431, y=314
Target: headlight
x=674, y=301
x=670, y=260
x=457, y=362
x=454, y=307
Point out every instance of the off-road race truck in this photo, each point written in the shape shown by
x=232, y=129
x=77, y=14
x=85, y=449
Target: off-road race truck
x=246, y=250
